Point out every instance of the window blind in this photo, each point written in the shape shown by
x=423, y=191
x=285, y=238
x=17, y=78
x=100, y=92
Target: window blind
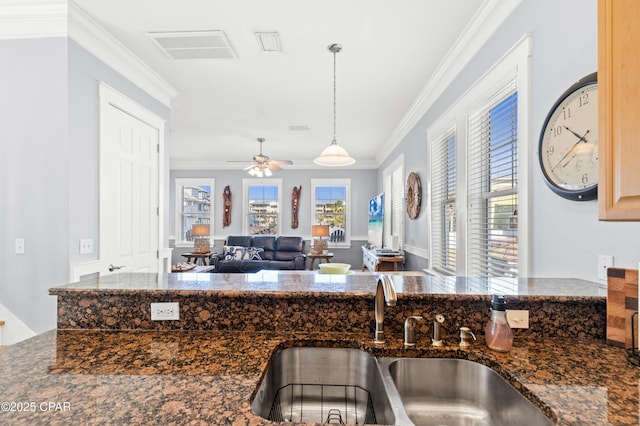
x=386, y=218
x=492, y=181
x=393, y=219
x=443, y=203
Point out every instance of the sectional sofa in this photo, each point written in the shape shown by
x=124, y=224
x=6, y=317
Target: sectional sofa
x=248, y=253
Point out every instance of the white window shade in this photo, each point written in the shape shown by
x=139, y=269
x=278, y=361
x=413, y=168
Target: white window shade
x=492, y=180
x=397, y=209
x=443, y=203
x=393, y=218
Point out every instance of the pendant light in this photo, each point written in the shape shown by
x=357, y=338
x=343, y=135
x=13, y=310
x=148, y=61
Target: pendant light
x=334, y=155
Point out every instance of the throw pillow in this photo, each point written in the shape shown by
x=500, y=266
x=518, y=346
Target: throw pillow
x=253, y=253
x=233, y=252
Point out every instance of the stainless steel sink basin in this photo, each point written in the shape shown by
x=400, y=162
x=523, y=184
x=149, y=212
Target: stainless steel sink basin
x=323, y=385
x=437, y=391
x=349, y=386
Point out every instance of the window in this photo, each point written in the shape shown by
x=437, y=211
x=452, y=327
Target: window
x=194, y=205
x=330, y=206
x=443, y=202
x=393, y=187
x=263, y=198
x=493, y=187
x=477, y=188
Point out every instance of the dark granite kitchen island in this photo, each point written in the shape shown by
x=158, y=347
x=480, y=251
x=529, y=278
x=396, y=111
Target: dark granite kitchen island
x=207, y=372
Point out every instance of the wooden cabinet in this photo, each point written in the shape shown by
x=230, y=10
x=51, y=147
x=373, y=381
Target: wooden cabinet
x=376, y=263
x=619, y=109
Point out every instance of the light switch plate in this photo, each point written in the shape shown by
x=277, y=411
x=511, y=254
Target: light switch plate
x=604, y=263
x=19, y=249
x=518, y=319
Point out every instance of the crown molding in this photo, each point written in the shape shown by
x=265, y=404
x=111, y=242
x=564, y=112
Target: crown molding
x=63, y=18
x=85, y=31
x=203, y=164
x=28, y=19
x=485, y=22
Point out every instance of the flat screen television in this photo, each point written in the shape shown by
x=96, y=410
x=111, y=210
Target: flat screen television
x=376, y=209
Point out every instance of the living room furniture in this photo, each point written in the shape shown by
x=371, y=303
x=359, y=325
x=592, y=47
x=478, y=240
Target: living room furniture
x=252, y=253
x=203, y=258
x=200, y=233
x=376, y=262
x=313, y=256
x=195, y=270
x=319, y=231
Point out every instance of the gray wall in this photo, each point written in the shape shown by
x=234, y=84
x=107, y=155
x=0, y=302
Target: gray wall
x=85, y=73
x=49, y=167
x=565, y=236
x=34, y=165
x=363, y=187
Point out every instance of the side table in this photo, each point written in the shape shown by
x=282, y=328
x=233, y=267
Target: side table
x=204, y=258
x=313, y=256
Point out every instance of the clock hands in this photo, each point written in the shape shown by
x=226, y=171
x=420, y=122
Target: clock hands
x=581, y=138
x=573, y=147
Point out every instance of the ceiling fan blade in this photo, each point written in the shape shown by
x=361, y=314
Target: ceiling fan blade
x=239, y=161
x=281, y=161
x=250, y=166
x=273, y=166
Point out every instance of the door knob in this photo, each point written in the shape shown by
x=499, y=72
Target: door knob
x=113, y=267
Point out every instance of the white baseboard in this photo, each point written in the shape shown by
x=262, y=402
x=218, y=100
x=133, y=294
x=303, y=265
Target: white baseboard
x=424, y=253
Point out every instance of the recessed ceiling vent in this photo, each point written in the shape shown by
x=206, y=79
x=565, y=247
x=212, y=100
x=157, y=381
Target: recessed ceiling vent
x=269, y=41
x=194, y=44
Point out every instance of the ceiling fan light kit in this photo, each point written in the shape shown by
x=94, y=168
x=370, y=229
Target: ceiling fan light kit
x=262, y=165
x=334, y=155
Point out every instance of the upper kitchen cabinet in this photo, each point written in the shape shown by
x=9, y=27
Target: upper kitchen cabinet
x=619, y=109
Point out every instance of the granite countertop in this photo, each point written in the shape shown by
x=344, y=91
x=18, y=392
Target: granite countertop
x=313, y=282
x=209, y=377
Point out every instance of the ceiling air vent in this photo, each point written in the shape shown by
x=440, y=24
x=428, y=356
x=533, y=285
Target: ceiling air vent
x=269, y=41
x=194, y=44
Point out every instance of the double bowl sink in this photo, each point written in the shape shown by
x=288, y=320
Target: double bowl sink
x=349, y=386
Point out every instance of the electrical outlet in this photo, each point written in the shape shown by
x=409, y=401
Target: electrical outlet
x=604, y=263
x=86, y=246
x=165, y=311
x=518, y=319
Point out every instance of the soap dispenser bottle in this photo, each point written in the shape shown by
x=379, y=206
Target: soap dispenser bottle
x=497, y=333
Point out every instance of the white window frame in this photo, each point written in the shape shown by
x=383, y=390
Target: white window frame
x=393, y=177
x=180, y=183
x=515, y=63
x=246, y=183
x=346, y=182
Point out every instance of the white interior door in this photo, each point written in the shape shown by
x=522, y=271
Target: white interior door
x=129, y=186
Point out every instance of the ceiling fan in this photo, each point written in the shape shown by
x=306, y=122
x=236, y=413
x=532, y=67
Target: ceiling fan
x=261, y=164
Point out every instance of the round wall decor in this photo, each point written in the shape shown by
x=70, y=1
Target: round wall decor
x=568, y=146
x=414, y=195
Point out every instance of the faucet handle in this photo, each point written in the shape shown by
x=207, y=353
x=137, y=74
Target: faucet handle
x=410, y=330
x=438, y=320
x=465, y=337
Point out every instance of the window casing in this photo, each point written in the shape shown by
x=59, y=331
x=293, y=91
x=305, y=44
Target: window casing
x=479, y=224
x=262, y=206
x=330, y=205
x=194, y=205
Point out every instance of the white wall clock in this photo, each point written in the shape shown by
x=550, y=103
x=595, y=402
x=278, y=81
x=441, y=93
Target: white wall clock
x=568, y=147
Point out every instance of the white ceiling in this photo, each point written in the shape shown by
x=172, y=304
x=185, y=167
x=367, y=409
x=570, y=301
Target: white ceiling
x=390, y=50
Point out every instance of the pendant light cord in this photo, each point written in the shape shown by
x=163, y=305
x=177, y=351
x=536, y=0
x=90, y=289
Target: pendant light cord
x=335, y=49
x=334, y=97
